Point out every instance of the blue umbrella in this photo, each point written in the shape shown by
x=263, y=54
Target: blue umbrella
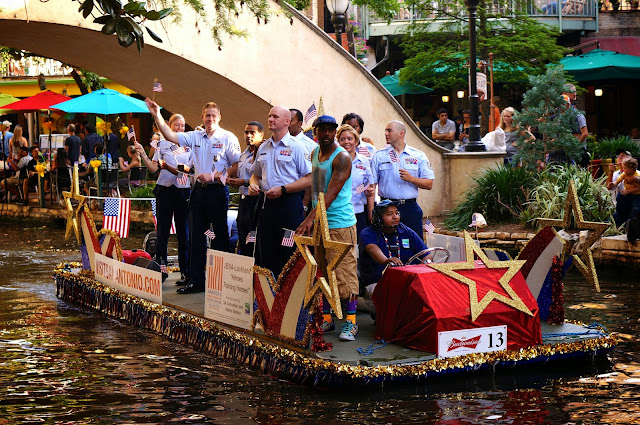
x=105, y=102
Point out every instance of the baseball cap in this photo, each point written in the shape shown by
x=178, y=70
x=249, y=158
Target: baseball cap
x=7, y=123
x=325, y=119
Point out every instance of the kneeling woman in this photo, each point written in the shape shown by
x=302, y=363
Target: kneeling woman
x=386, y=242
x=172, y=196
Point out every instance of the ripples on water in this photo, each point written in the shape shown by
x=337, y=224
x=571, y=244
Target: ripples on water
x=63, y=364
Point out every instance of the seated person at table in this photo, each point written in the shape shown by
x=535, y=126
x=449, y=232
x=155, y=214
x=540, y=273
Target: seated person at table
x=127, y=166
x=628, y=200
x=386, y=242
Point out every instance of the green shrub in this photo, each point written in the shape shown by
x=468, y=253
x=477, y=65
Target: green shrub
x=500, y=194
x=606, y=148
x=547, y=200
x=145, y=191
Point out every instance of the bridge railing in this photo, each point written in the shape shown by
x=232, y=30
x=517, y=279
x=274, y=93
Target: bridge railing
x=550, y=11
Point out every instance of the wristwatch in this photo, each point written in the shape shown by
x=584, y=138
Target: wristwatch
x=246, y=183
x=284, y=190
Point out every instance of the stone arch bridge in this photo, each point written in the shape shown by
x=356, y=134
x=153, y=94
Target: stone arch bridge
x=289, y=61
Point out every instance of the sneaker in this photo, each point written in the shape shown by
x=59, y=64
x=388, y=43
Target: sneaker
x=328, y=327
x=349, y=331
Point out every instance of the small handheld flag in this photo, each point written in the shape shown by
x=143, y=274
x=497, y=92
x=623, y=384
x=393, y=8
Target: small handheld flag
x=210, y=234
x=251, y=237
x=116, y=215
x=429, y=227
x=157, y=87
x=287, y=239
x=182, y=179
x=394, y=156
x=178, y=151
x=223, y=177
x=311, y=113
x=131, y=134
x=360, y=188
x=362, y=150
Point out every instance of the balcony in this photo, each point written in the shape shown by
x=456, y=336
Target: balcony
x=572, y=15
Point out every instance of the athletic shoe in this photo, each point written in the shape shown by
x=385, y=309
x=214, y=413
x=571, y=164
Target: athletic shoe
x=349, y=331
x=328, y=327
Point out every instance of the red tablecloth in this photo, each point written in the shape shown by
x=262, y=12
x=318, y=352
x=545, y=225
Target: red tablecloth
x=414, y=303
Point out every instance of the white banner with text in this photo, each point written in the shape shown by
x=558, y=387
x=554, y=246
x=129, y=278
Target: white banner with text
x=134, y=280
x=467, y=341
x=229, y=290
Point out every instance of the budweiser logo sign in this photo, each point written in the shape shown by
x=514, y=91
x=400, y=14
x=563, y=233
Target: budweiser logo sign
x=471, y=343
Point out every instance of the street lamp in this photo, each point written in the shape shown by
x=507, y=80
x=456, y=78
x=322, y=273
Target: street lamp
x=474, y=144
x=338, y=10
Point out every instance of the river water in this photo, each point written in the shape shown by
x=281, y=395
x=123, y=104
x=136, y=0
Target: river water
x=62, y=364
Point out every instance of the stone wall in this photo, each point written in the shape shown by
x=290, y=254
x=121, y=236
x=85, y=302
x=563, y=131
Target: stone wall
x=620, y=24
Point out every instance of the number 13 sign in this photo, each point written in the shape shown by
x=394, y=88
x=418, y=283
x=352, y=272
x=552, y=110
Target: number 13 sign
x=467, y=341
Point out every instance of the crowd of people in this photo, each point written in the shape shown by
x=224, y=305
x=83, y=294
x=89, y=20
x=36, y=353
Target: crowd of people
x=279, y=176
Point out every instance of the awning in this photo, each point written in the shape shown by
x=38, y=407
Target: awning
x=626, y=45
x=602, y=65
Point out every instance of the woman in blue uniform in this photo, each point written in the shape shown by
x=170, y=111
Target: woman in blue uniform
x=172, y=192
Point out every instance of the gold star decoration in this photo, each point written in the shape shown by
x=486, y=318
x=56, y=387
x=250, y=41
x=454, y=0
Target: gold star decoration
x=583, y=260
x=477, y=307
x=72, y=215
x=321, y=242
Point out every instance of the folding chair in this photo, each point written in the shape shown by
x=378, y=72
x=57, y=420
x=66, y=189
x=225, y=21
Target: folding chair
x=137, y=177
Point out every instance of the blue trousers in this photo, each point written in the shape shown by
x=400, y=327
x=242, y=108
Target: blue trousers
x=247, y=221
x=411, y=216
x=208, y=206
x=276, y=215
x=172, y=202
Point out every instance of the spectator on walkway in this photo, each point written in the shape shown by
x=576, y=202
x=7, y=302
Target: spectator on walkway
x=73, y=144
x=443, y=131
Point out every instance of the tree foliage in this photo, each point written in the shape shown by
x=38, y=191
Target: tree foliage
x=437, y=47
x=544, y=108
x=126, y=19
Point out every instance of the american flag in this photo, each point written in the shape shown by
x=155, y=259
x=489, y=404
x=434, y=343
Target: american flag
x=154, y=144
x=172, y=231
x=157, y=87
x=362, y=150
x=178, y=151
x=209, y=233
x=394, y=156
x=312, y=112
x=182, y=179
x=131, y=134
x=163, y=268
x=287, y=239
x=251, y=237
x=360, y=188
x=116, y=215
x=224, y=176
x=428, y=226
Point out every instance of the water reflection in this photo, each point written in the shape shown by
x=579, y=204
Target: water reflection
x=63, y=364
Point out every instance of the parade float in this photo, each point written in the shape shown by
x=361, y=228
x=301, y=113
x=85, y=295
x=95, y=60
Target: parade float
x=433, y=320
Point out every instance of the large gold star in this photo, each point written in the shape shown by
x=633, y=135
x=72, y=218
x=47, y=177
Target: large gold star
x=477, y=307
x=72, y=215
x=322, y=242
x=583, y=260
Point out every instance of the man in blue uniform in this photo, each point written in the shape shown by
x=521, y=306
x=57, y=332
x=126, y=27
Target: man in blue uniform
x=399, y=172
x=214, y=151
x=279, y=172
x=253, y=135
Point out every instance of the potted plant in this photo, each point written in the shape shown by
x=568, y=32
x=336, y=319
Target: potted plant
x=606, y=149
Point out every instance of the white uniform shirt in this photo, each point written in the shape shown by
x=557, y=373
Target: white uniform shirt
x=386, y=172
x=217, y=153
x=280, y=163
x=173, y=155
x=360, y=175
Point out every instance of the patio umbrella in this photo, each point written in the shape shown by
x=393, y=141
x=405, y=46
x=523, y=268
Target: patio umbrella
x=602, y=65
x=396, y=88
x=38, y=102
x=5, y=99
x=104, y=102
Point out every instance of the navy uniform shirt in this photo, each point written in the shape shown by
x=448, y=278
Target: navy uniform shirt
x=217, y=153
x=280, y=163
x=403, y=244
x=386, y=171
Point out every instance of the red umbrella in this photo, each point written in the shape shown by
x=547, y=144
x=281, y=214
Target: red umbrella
x=40, y=101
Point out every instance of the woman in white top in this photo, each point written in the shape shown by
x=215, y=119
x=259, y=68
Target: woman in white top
x=17, y=141
x=361, y=177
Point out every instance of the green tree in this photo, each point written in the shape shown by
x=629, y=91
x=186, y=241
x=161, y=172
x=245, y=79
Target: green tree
x=545, y=108
x=437, y=48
